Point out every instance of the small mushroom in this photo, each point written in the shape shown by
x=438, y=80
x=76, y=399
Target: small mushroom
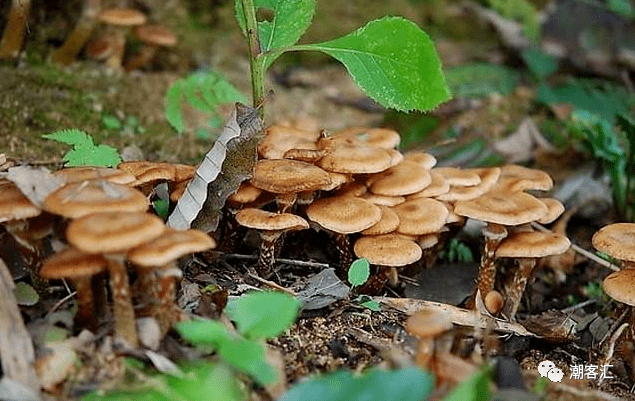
x=158, y=257
x=112, y=234
x=121, y=20
x=80, y=267
x=427, y=325
x=618, y=241
x=352, y=156
x=379, y=137
x=526, y=247
x=271, y=226
x=78, y=174
x=153, y=37
x=421, y=216
x=619, y=286
x=403, y=179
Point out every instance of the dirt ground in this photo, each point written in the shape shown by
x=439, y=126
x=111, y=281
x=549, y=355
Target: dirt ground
x=37, y=97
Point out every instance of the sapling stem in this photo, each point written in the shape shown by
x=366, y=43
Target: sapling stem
x=256, y=64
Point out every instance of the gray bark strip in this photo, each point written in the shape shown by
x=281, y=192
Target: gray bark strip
x=230, y=161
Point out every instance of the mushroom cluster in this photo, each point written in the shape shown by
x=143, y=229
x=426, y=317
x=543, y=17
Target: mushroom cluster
x=109, y=233
x=397, y=209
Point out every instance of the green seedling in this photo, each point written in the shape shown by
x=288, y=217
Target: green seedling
x=358, y=274
x=457, y=251
x=85, y=152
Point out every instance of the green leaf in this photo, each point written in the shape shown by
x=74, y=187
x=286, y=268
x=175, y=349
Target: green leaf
x=475, y=388
x=370, y=303
x=393, y=61
x=263, y=314
x=623, y=7
x=25, y=294
x=541, y=64
x=173, y=103
x=409, y=384
x=290, y=20
x=204, y=332
x=249, y=357
x=74, y=137
x=358, y=272
x=111, y=122
x=206, y=382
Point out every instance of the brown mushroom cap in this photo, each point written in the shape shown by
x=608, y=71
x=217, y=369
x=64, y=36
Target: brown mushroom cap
x=488, y=177
x=438, y=186
x=428, y=323
x=122, y=17
x=78, y=174
x=532, y=244
x=379, y=137
x=519, y=178
x=267, y=221
x=554, y=209
x=421, y=216
x=279, y=139
x=81, y=198
x=426, y=160
x=13, y=204
x=459, y=177
x=387, y=250
x=171, y=245
x=388, y=223
x=346, y=156
x=113, y=232
x=140, y=167
x=155, y=34
x=383, y=200
x=506, y=208
x=344, y=214
x=72, y=263
x=616, y=240
x=403, y=179
x=620, y=286
x=288, y=176
x=246, y=193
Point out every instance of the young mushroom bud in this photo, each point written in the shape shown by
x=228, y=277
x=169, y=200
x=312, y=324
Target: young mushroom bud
x=427, y=325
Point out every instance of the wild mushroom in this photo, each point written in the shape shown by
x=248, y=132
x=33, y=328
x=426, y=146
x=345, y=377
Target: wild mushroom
x=340, y=216
x=426, y=160
x=153, y=37
x=286, y=178
x=81, y=198
x=112, y=234
x=271, y=226
x=618, y=241
x=159, y=256
x=526, y=247
x=13, y=35
x=427, y=325
x=78, y=174
x=619, y=286
x=73, y=44
x=498, y=209
x=80, y=267
x=379, y=137
x=403, y=179
x=351, y=156
x=421, y=216
x=280, y=139
x=438, y=186
x=121, y=20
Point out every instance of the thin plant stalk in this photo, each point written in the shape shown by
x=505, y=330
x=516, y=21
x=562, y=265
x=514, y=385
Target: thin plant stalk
x=255, y=63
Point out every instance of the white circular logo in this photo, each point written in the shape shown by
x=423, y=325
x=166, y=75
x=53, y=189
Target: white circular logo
x=555, y=375
x=544, y=367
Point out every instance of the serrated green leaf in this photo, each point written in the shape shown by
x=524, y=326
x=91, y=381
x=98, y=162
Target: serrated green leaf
x=409, y=384
x=393, y=61
x=263, y=314
x=173, y=99
x=291, y=18
x=74, y=137
x=358, y=272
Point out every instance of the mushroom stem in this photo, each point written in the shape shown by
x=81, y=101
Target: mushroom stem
x=169, y=312
x=343, y=245
x=119, y=46
x=517, y=286
x=266, y=259
x=76, y=40
x=85, y=316
x=494, y=234
x=122, y=302
x=13, y=36
x=285, y=201
x=140, y=60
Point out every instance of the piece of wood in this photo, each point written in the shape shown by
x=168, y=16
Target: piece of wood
x=460, y=316
x=16, y=348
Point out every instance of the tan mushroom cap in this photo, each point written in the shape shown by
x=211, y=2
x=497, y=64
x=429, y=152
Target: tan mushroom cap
x=519, y=178
x=459, y=177
x=13, y=204
x=246, y=193
x=488, y=176
x=288, y=176
x=387, y=250
x=72, y=263
x=421, y=216
x=532, y=244
x=82, y=198
x=427, y=240
x=184, y=172
x=347, y=156
x=506, y=208
x=388, y=223
x=554, y=209
x=620, y=286
x=428, y=323
x=122, y=17
x=113, y=232
x=170, y=246
x=337, y=180
x=380, y=137
x=438, y=186
x=426, y=160
x=156, y=34
x=344, y=214
x=141, y=167
x=268, y=221
x=280, y=139
x=403, y=179
x=616, y=240
x=353, y=188
x=77, y=174
x=382, y=200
